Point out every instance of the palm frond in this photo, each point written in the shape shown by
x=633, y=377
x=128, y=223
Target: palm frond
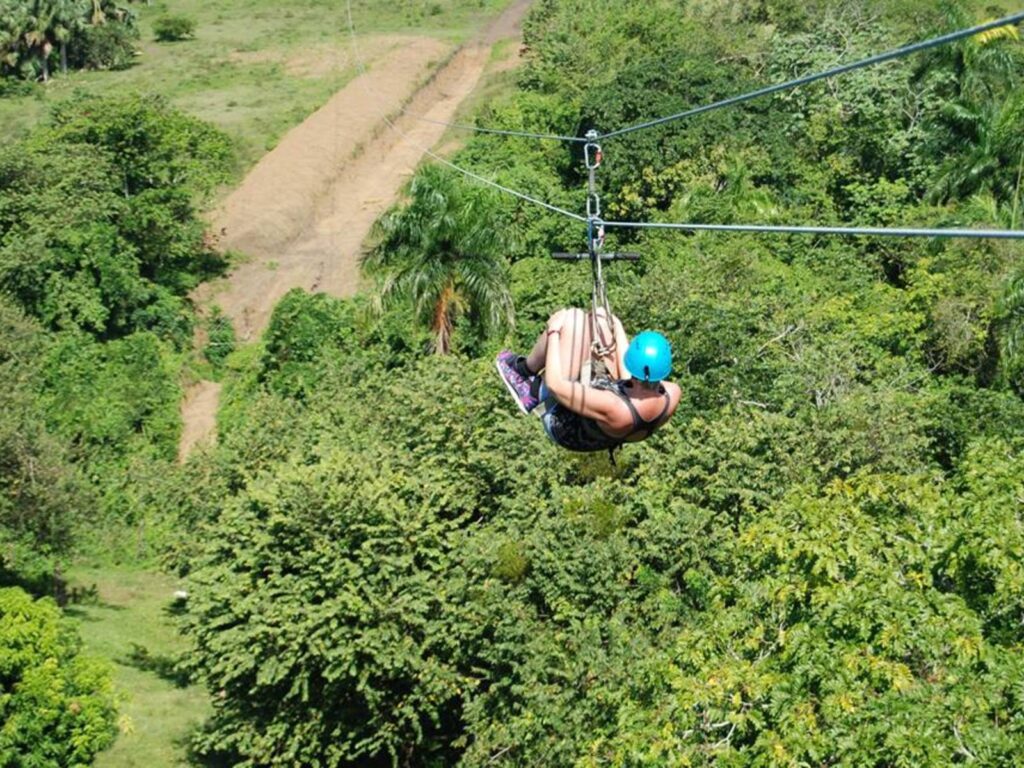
x=443, y=253
x=1009, y=32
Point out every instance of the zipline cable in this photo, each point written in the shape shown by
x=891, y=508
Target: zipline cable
x=391, y=124
x=995, y=234
x=840, y=70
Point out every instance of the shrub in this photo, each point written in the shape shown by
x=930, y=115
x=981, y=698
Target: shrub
x=57, y=706
x=104, y=46
x=169, y=29
x=221, y=339
x=10, y=87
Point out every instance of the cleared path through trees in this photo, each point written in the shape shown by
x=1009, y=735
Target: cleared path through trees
x=301, y=215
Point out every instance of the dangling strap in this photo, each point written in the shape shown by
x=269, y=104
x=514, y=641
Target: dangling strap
x=611, y=454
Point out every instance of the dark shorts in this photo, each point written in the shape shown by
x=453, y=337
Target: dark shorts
x=572, y=431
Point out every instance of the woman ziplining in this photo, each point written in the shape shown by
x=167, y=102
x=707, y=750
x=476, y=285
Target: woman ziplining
x=593, y=388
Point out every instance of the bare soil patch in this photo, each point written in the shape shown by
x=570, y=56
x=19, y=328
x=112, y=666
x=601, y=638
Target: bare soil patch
x=199, y=416
x=320, y=60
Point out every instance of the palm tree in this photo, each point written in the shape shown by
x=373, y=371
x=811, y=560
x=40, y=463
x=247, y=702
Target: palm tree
x=445, y=254
x=983, y=65
x=39, y=33
x=99, y=11
x=69, y=19
x=982, y=109
x=992, y=135
x=14, y=21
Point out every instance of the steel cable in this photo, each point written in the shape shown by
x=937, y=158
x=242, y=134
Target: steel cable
x=840, y=70
x=997, y=234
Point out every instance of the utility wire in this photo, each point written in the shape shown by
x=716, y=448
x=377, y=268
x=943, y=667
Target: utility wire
x=995, y=234
x=877, y=59
x=495, y=131
x=391, y=124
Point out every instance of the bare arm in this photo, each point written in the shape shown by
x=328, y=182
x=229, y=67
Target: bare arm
x=675, y=394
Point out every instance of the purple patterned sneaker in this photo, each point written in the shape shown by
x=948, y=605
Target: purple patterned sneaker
x=518, y=385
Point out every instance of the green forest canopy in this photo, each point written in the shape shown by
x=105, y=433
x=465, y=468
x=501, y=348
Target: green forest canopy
x=818, y=562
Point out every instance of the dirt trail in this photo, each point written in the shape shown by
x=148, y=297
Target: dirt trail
x=199, y=414
x=277, y=202
x=303, y=212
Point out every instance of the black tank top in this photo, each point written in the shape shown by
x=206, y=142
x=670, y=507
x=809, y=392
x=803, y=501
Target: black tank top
x=620, y=388
x=577, y=433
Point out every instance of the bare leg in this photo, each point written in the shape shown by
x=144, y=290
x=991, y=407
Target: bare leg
x=539, y=353
x=575, y=341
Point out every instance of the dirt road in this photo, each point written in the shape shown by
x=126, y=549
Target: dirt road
x=303, y=212
x=300, y=217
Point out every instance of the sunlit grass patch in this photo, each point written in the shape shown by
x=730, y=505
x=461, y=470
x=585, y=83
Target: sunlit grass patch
x=129, y=621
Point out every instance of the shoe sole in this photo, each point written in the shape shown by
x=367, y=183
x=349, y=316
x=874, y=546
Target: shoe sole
x=511, y=389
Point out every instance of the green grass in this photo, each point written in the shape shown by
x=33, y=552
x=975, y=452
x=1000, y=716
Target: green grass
x=129, y=623
x=256, y=67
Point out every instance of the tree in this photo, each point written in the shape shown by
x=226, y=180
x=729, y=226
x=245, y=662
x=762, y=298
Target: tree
x=990, y=135
x=57, y=706
x=444, y=253
x=1010, y=331
x=30, y=31
x=69, y=20
x=14, y=21
x=982, y=66
x=99, y=227
x=39, y=34
x=42, y=496
x=980, y=116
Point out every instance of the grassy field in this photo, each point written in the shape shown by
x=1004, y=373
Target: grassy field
x=256, y=67
x=129, y=621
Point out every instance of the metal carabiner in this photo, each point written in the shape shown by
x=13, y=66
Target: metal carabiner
x=593, y=206
x=592, y=154
x=597, y=238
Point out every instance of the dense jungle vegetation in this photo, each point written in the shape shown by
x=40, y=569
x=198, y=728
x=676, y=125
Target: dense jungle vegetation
x=819, y=562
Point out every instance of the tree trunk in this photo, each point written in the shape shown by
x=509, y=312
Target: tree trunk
x=442, y=325
x=60, y=586
x=45, y=50
x=63, y=57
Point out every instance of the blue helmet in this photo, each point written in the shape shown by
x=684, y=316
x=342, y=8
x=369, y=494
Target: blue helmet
x=649, y=357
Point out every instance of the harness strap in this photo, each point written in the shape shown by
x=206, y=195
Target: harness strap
x=651, y=425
